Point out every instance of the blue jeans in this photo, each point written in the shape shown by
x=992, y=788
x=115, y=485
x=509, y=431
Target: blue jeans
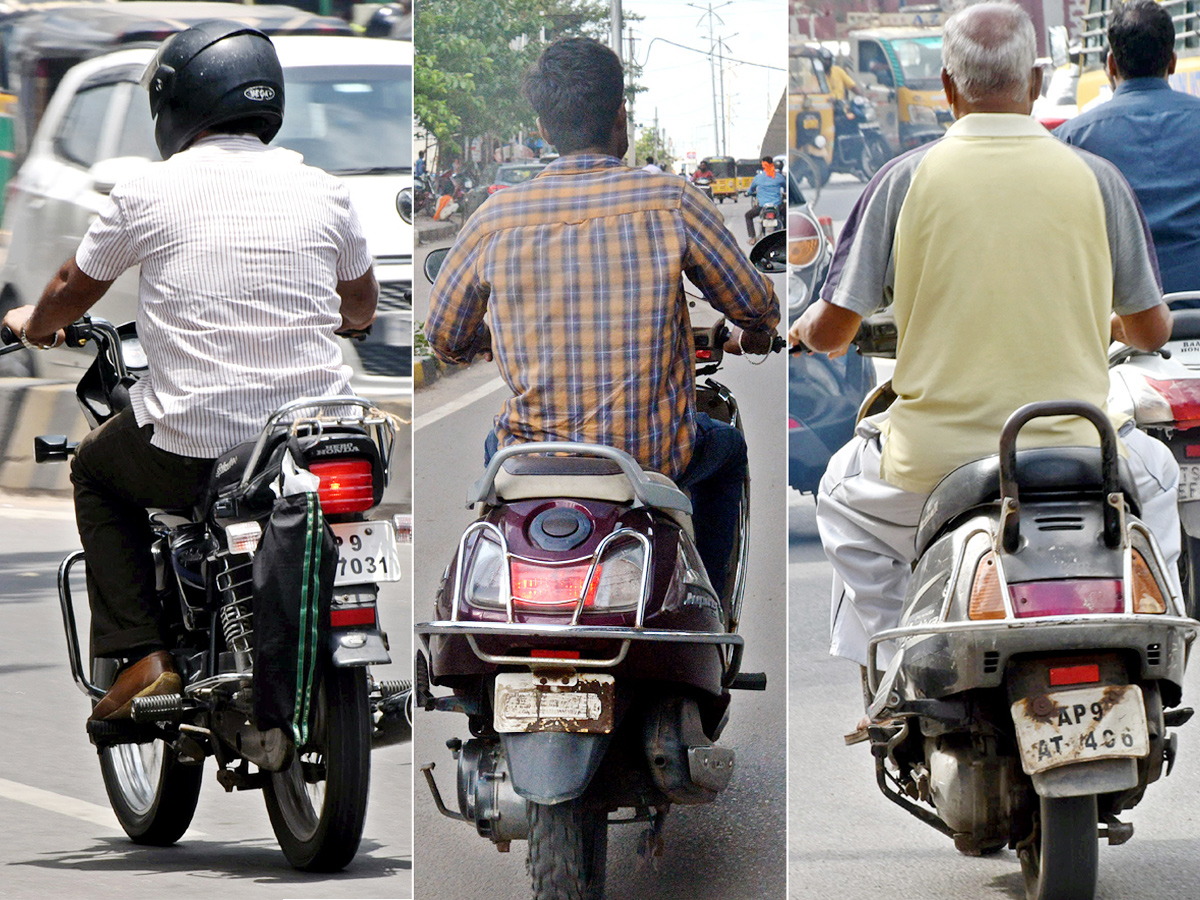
x=714, y=479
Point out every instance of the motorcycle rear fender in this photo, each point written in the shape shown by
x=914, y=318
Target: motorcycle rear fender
x=358, y=646
x=553, y=767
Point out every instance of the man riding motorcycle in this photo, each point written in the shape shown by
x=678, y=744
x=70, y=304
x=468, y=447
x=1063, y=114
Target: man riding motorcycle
x=767, y=189
x=938, y=232
x=578, y=274
x=250, y=262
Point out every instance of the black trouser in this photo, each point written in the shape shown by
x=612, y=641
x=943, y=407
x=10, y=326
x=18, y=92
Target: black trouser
x=117, y=474
x=755, y=209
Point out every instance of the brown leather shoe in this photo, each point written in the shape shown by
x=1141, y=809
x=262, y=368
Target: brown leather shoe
x=149, y=676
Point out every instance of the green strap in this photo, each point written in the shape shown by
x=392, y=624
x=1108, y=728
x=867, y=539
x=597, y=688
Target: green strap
x=309, y=592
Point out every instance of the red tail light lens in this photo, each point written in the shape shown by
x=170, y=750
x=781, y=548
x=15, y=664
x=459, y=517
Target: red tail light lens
x=1087, y=596
x=1184, y=397
x=347, y=485
x=1050, y=123
x=1061, y=676
x=542, y=587
x=354, y=615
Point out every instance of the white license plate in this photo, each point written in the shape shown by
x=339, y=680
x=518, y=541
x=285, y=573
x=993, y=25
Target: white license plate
x=366, y=552
x=1078, y=725
x=1189, y=482
x=525, y=701
x=1186, y=352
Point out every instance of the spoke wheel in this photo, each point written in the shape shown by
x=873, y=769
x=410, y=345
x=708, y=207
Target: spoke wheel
x=318, y=804
x=1060, y=862
x=568, y=850
x=152, y=793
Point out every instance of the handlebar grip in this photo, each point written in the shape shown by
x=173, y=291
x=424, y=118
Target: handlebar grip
x=8, y=336
x=777, y=344
x=355, y=334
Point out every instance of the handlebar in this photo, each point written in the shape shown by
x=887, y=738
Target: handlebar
x=876, y=336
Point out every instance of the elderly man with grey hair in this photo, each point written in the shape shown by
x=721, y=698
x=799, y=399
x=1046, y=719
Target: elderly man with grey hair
x=999, y=300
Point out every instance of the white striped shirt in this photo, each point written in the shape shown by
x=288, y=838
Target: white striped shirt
x=241, y=247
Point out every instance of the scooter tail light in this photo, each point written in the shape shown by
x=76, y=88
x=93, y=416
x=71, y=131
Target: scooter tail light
x=1182, y=395
x=1067, y=597
x=347, y=485
x=537, y=586
x=987, y=602
x=1085, y=673
x=1147, y=596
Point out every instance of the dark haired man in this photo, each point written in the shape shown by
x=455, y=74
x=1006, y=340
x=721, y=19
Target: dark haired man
x=578, y=274
x=1152, y=134
x=766, y=189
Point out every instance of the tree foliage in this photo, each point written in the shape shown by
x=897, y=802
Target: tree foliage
x=472, y=54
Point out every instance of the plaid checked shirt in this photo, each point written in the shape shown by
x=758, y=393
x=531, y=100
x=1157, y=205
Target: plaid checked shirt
x=578, y=273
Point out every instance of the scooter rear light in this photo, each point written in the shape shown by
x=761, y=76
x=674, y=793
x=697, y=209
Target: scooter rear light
x=986, y=600
x=1051, y=122
x=1075, y=597
x=347, y=485
x=1183, y=396
x=1061, y=676
x=557, y=587
x=1147, y=596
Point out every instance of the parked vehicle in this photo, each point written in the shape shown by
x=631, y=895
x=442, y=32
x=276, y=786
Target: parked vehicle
x=577, y=630
x=1039, y=659
x=1161, y=391
x=314, y=781
x=97, y=130
x=824, y=394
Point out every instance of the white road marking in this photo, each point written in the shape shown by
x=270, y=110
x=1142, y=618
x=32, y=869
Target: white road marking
x=436, y=415
x=67, y=806
x=67, y=514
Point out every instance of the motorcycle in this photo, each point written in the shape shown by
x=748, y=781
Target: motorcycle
x=578, y=632
x=424, y=197
x=1160, y=389
x=1039, y=659
x=314, y=783
x=768, y=221
x=859, y=147
x=704, y=183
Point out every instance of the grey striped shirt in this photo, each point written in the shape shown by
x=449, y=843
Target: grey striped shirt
x=241, y=247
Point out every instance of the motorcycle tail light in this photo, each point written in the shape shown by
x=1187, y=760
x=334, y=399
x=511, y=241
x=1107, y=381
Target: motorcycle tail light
x=804, y=241
x=243, y=537
x=347, y=485
x=352, y=616
x=537, y=586
x=1147, y=596
x=986, y=600
x=1086, y=673
x=1074, y=597
x=1183, y=397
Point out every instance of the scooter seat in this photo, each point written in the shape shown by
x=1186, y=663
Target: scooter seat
x=586, y=478
x=1185, y=324
x=1044, y=473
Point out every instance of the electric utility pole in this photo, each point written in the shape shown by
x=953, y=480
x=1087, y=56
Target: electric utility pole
x=710, y=12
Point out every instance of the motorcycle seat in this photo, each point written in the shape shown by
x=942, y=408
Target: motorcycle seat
x=1185, y=324
x=585, y=478
x=1043, y=473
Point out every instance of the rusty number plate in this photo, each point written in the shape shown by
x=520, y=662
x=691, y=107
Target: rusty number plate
x=526, y=701
x=1083, y=724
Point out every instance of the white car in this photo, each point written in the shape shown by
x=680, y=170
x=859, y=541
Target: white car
x=348, y=111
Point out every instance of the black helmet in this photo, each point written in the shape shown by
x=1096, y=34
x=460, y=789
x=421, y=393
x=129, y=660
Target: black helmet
x=214, y=72
x=382, y=21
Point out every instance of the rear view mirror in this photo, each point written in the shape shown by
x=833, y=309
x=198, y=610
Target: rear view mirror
x=770, y=254
x=108, y=173
x=433, y=263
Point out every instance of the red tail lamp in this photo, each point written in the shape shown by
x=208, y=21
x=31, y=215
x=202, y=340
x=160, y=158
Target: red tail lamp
x=347, y=485
x=542, y=587
x=1087, y=673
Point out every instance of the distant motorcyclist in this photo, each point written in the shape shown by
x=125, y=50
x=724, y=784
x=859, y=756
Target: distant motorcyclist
x=1150, y=132
x=999, y=301
x=250, y=262
x=767, y=190
x=600, y=351
x=841, y=82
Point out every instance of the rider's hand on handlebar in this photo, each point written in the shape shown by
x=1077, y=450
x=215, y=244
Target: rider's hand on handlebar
x=16, y=319
x=741, y=341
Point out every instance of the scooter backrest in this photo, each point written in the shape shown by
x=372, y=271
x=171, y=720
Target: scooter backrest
x=1043, y=473
x=1185, y=324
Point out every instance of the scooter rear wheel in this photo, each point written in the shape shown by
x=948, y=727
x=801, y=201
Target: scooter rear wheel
x=568, y=850
x=1061, y=863
x=152, y=793
x=317, y=805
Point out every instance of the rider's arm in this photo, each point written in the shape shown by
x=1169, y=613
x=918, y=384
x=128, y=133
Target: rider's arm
x=68, y=295
x=716, y=264
x=1146, y=330
x=455, y=327
x=359, y=298
x=826, y=328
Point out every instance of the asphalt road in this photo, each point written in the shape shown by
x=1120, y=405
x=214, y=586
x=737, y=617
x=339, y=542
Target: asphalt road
x=58, y=836
x=733, y=849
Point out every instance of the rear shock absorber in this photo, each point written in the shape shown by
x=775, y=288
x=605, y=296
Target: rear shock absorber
x=235, y=584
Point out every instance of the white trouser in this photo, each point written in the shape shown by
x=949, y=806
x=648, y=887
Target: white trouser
x=868, y=529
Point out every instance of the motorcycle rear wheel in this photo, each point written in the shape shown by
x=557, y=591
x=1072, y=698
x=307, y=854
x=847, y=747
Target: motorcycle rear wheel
x=318, y=804
x=153, y=794
x=1061, y=864
x=568, y=850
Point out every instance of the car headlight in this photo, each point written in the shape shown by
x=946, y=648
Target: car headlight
x=921, y=115
x=404, y=205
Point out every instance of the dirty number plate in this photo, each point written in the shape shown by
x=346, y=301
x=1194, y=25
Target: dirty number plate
x=1073, y=726
x=1189, y=482
x=525, y=701
x=366, y=552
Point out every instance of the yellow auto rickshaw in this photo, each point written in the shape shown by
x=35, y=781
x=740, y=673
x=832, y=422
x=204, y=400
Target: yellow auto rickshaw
x=724, y=171
x=746, y=170
x=811, y=126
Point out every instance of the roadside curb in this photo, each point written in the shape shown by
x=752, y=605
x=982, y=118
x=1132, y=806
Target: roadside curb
x=431, y=230
x=428, y=369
